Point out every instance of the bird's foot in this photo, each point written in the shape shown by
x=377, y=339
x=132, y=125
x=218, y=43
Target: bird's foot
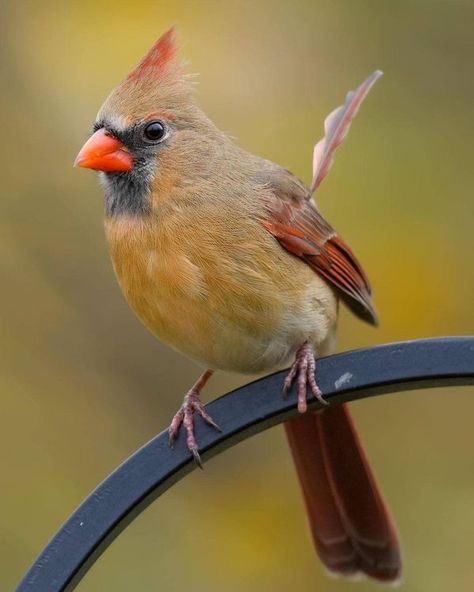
x=302, y=370
x=191, y=404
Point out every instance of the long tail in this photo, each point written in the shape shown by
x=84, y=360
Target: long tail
x=352, y=530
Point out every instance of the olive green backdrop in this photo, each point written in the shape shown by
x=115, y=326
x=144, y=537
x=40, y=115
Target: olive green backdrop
x=82, y=384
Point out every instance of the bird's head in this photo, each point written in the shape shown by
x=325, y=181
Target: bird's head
x=147, y=130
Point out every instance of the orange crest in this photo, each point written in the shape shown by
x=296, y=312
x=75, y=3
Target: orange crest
x=158, y=58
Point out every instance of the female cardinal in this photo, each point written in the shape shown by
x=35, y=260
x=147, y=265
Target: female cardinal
x=224, y=256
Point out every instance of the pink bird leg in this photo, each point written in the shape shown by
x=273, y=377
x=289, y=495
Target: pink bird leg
x=191, y=404
x=302, y=370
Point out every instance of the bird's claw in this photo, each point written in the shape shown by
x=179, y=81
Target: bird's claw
x=197, y=457
x=302, y=370
x=192, y=404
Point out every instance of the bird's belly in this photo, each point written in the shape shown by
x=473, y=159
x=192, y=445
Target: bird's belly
x=231, y=336
x=226, y=315
x=232, y=342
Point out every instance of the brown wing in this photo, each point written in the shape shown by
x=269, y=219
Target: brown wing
x=292, y=218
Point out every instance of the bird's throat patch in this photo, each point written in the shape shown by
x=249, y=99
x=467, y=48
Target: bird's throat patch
x=128, y=194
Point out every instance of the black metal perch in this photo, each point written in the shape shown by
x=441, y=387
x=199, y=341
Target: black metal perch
x=143, y=477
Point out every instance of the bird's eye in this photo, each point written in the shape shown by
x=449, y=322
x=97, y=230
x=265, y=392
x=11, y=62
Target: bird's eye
x=154, y=131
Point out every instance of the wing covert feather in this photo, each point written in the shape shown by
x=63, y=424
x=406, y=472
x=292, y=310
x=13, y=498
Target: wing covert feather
x=300, y=229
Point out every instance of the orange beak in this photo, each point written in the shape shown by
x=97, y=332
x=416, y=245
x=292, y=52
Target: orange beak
x=103, y=152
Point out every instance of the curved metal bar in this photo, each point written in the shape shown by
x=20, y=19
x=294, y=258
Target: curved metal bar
x=246, y=411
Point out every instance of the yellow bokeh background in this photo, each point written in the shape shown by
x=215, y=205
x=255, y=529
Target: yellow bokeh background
x=82, y=384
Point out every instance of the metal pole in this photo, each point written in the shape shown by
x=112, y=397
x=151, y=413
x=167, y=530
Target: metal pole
x=153, y=469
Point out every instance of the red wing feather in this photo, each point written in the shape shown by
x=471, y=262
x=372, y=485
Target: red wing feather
x=336, y=127
x=300, y=229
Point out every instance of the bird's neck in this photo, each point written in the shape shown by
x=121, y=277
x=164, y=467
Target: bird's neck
x=128, y=194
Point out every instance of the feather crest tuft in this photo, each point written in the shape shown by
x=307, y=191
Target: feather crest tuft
x=158, y=58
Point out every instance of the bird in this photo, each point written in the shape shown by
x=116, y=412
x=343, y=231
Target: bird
x=225, y=257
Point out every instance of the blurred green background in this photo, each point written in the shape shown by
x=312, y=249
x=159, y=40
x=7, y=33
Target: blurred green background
x=82, y=384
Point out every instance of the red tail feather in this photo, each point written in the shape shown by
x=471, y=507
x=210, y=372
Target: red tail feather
x=350, y=524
